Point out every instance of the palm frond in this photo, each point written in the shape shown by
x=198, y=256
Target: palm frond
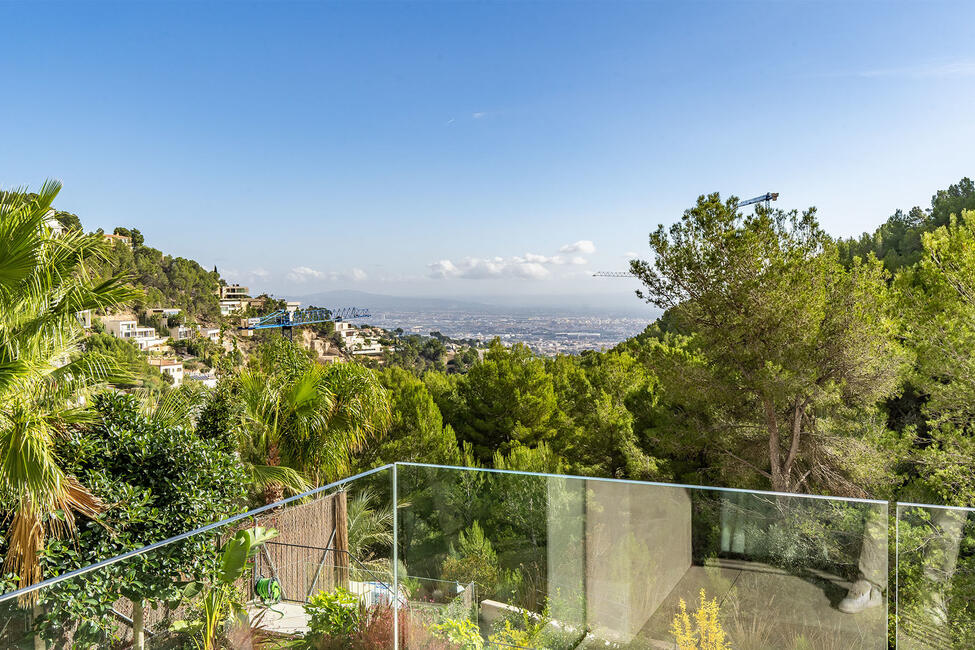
x=263, y=476
x=177, y=407
x=45, y=376
x=370, y=526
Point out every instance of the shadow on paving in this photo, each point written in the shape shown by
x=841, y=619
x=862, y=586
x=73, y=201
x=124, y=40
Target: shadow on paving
x=762, y=607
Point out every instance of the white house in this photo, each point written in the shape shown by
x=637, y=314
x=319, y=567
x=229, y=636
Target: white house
x=229, y=306
x=51, y=222
x=170, y=367
x=165, y=311
x=354, y=342
x=230, y=291
x=207, y=380
x=370, y=347
x=113, y=239
x=145, y=337
x=345, y=330
x=121, y=329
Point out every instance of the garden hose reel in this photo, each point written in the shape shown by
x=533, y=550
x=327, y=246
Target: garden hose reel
x=268, y=590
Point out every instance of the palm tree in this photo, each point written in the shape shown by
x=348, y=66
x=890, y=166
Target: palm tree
x=44, y=373
x=370, y=525
x=301, y=421
x=271, y=406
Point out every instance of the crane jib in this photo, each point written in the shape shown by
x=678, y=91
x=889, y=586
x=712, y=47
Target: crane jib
x=285, y=318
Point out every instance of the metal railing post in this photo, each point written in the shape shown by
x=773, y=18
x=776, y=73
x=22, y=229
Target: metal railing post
x=395, y=599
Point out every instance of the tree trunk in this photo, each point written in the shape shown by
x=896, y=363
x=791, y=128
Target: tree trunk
x=781, y=468
x=138, y=625
x=780, y=482
x=798, y=411
x=275, y=491
x=39, y=642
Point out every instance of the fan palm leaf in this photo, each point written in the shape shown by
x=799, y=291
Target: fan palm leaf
x=177, y=407
x=44, y=373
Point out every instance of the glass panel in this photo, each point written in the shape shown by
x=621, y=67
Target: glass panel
x=935, y=577
x=336, y=539
x=553, y=561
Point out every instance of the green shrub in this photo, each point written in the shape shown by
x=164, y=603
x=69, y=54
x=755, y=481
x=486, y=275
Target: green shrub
x=474, y=561
x=332, y=613
x=464, y=633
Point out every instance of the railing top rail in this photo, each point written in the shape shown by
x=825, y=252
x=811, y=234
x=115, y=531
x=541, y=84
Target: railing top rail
x=908, y=504
x=653, y=483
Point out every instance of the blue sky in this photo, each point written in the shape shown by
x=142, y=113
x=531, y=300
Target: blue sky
x=475, y=149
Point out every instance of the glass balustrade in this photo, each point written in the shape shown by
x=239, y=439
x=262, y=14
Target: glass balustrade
x=935, y=570
x=474, y=558
x=563, y=562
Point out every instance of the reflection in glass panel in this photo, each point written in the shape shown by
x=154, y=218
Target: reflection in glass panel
x=935, y=577
x=254, y=580
x=555, y=561
x=476, y=548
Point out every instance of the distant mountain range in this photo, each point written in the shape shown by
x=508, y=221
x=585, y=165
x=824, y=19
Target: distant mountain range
x=610, y=304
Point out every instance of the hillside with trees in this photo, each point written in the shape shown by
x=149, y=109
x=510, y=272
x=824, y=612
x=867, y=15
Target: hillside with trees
x=165, y=281
x=897, y=242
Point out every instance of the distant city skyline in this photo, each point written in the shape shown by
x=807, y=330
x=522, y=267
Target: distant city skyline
x=473, y=149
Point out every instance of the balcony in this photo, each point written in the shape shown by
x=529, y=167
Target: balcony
x=530, y=560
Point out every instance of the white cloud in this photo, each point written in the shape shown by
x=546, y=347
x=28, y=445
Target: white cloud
x=582, y=246
x=631, y=255
x=475, y=268
x=304, y=274
x=443, y=269
x=530, y=266
x=478, y=115
x=260, y=273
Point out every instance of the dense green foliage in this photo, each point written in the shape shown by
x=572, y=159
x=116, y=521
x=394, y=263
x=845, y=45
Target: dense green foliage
x=45, y=374
x=416, y=431
x=897, y=242
x=332, y=613
x=159, y=479
x=416, y=353
x=787, y=346
x=139, y=374
x=298, y=422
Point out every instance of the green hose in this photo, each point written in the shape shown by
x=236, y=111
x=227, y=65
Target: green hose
x=269, y=591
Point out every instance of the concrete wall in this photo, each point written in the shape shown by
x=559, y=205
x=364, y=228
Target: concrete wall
x=638, y=547
x=615, y=551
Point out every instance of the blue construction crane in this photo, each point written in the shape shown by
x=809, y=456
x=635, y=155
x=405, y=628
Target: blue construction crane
x=288, y=320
